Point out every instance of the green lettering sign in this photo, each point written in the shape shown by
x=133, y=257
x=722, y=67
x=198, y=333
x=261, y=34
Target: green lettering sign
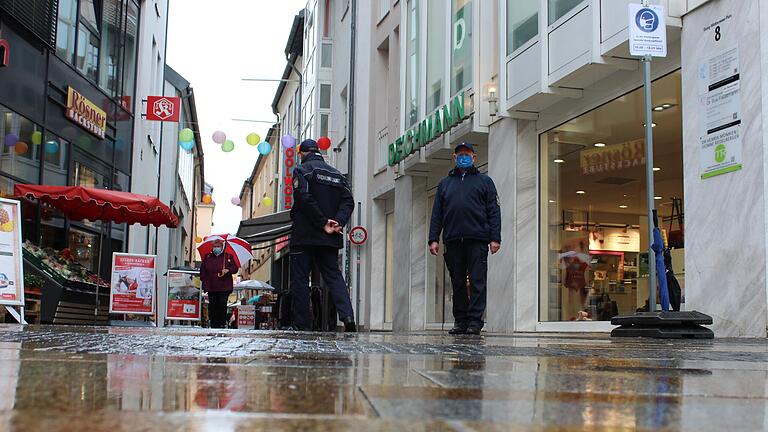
x=430, y=128
x=408, y=147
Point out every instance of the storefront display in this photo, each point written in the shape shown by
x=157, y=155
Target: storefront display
x=184, y=296
x=134, y=284
x=61, y=265
x=593, y=205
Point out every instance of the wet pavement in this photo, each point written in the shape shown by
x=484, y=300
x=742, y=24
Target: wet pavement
x=117, y=379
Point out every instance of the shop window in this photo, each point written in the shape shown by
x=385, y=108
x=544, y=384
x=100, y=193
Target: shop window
x=55, y=160
x=436, y=39
x=559, y=8
x=65, y=30
x=412, y=63
x=522, y=23
x=325, y=96
x=89, y=39
x=461, y=52
x=84, y=248
x=20, y=155
x=593, y=205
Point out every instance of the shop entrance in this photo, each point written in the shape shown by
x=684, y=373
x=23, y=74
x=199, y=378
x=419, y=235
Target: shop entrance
x=593, y=209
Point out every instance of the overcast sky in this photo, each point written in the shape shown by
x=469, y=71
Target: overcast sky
x=214, y=45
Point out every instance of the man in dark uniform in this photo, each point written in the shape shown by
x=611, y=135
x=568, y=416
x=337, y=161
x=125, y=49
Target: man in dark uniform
x=468, y=213
x=323, y=204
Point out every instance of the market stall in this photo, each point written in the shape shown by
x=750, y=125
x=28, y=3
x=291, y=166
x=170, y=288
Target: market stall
x=69, y=293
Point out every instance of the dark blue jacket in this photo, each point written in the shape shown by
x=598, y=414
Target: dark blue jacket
x=466, y=207
x=320, y=192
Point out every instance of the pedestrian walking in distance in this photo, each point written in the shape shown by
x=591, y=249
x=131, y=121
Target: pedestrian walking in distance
x=468, y=214
x=216, y=272
x=323, y=204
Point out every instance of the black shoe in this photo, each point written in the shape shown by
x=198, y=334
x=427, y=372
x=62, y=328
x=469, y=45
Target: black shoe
x=474, y=329
x=349, y=325
x=458, y=329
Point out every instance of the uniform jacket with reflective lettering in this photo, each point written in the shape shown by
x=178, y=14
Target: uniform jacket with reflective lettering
x=320, y=192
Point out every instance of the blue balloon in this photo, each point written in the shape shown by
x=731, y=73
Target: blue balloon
x=11, y=139
x=264, y=148
x=52, y=147
x=187, y=145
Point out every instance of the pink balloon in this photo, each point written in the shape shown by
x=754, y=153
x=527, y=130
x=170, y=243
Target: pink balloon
x=219, y=137
x=235, y=201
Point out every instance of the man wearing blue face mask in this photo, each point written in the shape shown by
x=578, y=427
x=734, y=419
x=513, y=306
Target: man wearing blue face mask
x=468, y=214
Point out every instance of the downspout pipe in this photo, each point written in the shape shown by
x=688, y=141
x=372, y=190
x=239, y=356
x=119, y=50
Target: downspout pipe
x=351, y=135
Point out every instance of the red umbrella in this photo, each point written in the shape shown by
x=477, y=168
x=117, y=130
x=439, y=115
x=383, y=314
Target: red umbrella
x=78, y=203
x=235, y=246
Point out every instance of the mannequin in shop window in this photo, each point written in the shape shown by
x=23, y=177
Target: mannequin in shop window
x=574, y=261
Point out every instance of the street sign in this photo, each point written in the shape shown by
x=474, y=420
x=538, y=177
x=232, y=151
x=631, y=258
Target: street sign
x=163, y=108
x=358, y=235
x=647, y=31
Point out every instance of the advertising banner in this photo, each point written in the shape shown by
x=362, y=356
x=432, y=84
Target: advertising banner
x=184, y=296
x=246, y=316
x=163, y=108
x=134, y=279
x=86, y=114
x=11, y=263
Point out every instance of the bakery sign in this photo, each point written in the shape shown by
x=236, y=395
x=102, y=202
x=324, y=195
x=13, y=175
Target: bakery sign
x=86, y=114
x=614, y=157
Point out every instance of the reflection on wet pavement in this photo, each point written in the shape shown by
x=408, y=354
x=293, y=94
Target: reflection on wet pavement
x=73, y=378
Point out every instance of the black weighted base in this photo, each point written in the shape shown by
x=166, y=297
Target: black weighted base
x=663, y=325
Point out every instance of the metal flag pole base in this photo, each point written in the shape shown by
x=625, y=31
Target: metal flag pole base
x=663, y=325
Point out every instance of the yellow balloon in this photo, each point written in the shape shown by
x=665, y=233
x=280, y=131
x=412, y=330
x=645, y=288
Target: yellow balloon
x=267, y=201
x=198, y=239
x=207, y=199
x=253, y=139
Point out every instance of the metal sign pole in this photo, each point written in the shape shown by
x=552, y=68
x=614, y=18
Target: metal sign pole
x=649, y=179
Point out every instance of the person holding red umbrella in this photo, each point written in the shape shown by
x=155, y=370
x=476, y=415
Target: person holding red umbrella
x=216, y=272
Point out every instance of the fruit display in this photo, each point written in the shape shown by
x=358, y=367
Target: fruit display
x=61, y=264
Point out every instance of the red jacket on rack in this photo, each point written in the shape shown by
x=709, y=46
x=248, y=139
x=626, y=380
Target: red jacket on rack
x=210, y=271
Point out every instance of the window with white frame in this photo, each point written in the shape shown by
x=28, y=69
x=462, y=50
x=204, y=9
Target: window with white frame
x=522, y=23
x=461, y=49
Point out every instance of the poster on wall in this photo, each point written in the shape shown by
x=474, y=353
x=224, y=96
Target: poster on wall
x=11, y=263
x=134, y=279
x=720, y=114
x=184, y=296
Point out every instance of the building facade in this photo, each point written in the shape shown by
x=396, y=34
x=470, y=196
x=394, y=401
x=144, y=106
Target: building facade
x=61, y=57
x=550, y=96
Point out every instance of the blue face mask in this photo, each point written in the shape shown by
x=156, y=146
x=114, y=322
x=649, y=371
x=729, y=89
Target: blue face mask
x=217, y=251
x=463, y=161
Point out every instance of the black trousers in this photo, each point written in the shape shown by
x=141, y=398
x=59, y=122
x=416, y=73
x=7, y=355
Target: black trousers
x=217, y=308
x=326, y=260
x=468, y=260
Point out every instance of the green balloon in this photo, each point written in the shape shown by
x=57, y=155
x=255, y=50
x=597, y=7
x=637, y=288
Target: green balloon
x=228, y=146
x=37, y=137
x=253, y=139
x=186, y=135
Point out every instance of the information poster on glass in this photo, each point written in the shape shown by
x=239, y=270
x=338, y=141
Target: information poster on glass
x=133, y=284
x=11, y=263
x=184, y=296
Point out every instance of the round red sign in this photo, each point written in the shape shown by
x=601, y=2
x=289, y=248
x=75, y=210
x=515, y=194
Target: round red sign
x=358, y=235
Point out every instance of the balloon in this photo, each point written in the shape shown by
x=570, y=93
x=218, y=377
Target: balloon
x=324, y=143
x=219, y=137
x=235, y=201
x=207, y=199
x=288, y=141
x=198, y=239
x=253, y=139
x=228, y=146
x=186, y=135
x=264, y=148
x=187, y=145
x=11, y=140
x=267, y=201
x=52, y=147
x=37, y=137
x=21, y=147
